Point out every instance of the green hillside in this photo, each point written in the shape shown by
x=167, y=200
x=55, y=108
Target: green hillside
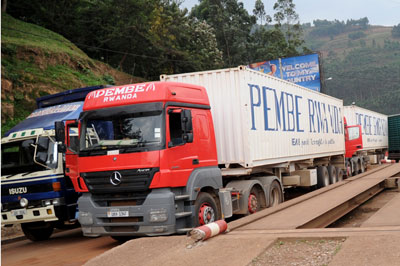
x=37, y=62
x=364, y=65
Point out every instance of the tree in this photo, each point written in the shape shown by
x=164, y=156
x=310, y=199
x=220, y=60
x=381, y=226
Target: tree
x=288, y=22
x=259, y=11
x=141, y=37
x=396, y=31
x=232, y=25
x=3, y=5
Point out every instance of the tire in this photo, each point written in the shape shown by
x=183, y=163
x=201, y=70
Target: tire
x=361, y=168
x=339, y=173
x=349, y=169
x=275, y=194
x=254, y=201
x=322, y=176
x=332, y=174
x=356, y=168
x=206, y=210
x=37, y=231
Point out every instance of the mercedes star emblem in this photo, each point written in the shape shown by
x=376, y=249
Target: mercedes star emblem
x=115, y=178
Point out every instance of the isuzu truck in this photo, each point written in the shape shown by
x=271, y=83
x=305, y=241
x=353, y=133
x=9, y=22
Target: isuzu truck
x=35, y=191
x=160, y=158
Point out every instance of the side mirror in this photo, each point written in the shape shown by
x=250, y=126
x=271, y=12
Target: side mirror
x=188, y=137
x=186, y=120
x=41, y=157
x=60, y=131
x=42, y=144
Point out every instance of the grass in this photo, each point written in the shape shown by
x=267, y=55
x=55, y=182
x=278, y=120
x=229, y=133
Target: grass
x=38, y=62
x=341, y=42
x=19, y=33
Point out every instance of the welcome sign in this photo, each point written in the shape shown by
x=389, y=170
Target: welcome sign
x=302, y=70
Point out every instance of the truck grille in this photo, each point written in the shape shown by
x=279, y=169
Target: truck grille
x=128, y=181
x=120, y=199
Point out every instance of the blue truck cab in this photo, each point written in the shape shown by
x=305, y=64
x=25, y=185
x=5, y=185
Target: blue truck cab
x=36, y=191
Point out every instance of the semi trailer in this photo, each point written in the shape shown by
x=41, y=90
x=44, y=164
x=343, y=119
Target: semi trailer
x=160, y=158
x=35, y=191
x=374, y=131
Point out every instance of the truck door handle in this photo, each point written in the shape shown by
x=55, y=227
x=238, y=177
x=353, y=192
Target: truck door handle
x=358, y=146
x=195, y=161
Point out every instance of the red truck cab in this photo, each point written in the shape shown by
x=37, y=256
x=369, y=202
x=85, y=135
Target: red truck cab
x=147, y=160
x=353, y=143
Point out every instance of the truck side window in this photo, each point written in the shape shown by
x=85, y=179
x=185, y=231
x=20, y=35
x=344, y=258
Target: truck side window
x=354, y=133
x=175, y=128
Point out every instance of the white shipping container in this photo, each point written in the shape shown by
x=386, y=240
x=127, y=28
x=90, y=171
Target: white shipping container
x=262, y=120
x=374, y=126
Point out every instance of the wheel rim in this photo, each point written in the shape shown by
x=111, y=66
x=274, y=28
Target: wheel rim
x=348, y=170
x=206, y=214
x=252, y=203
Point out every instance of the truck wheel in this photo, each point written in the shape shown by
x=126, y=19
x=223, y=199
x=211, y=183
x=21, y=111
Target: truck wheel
x=361, y=168
x=332, y=174
x=254, y=201
x=322, y=176
x=37, y=231
x=275, y=194
x=339, y=174
x=355, y=168
x=349, y=170
x=206, y=209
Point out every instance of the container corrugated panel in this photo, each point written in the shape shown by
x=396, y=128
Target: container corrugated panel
x=262, y=120
x=394, y=132
x=374, y=126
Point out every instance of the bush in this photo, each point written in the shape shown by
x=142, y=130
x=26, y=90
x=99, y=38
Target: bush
x=357, y=35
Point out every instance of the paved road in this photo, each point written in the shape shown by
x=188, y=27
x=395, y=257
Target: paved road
x=64, y=248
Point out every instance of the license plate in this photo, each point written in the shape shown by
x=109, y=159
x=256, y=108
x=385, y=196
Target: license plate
x=18, y=212
x=117, y=213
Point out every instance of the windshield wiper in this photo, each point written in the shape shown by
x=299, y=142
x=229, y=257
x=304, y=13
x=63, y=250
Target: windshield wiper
x=26, y=173
x=95, y=147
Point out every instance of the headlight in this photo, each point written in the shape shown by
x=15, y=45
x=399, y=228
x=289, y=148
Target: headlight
x=47, y=202
x=56, y=201
x=23, y=202
x=157, y=216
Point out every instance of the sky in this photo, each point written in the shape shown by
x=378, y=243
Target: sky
x=379, y=12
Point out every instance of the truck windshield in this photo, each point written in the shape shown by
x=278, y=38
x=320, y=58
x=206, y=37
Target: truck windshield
x=127, y=132
x=17, y=157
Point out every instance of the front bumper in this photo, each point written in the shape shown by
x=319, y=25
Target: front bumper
x=45, y=214
x=129, y=220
